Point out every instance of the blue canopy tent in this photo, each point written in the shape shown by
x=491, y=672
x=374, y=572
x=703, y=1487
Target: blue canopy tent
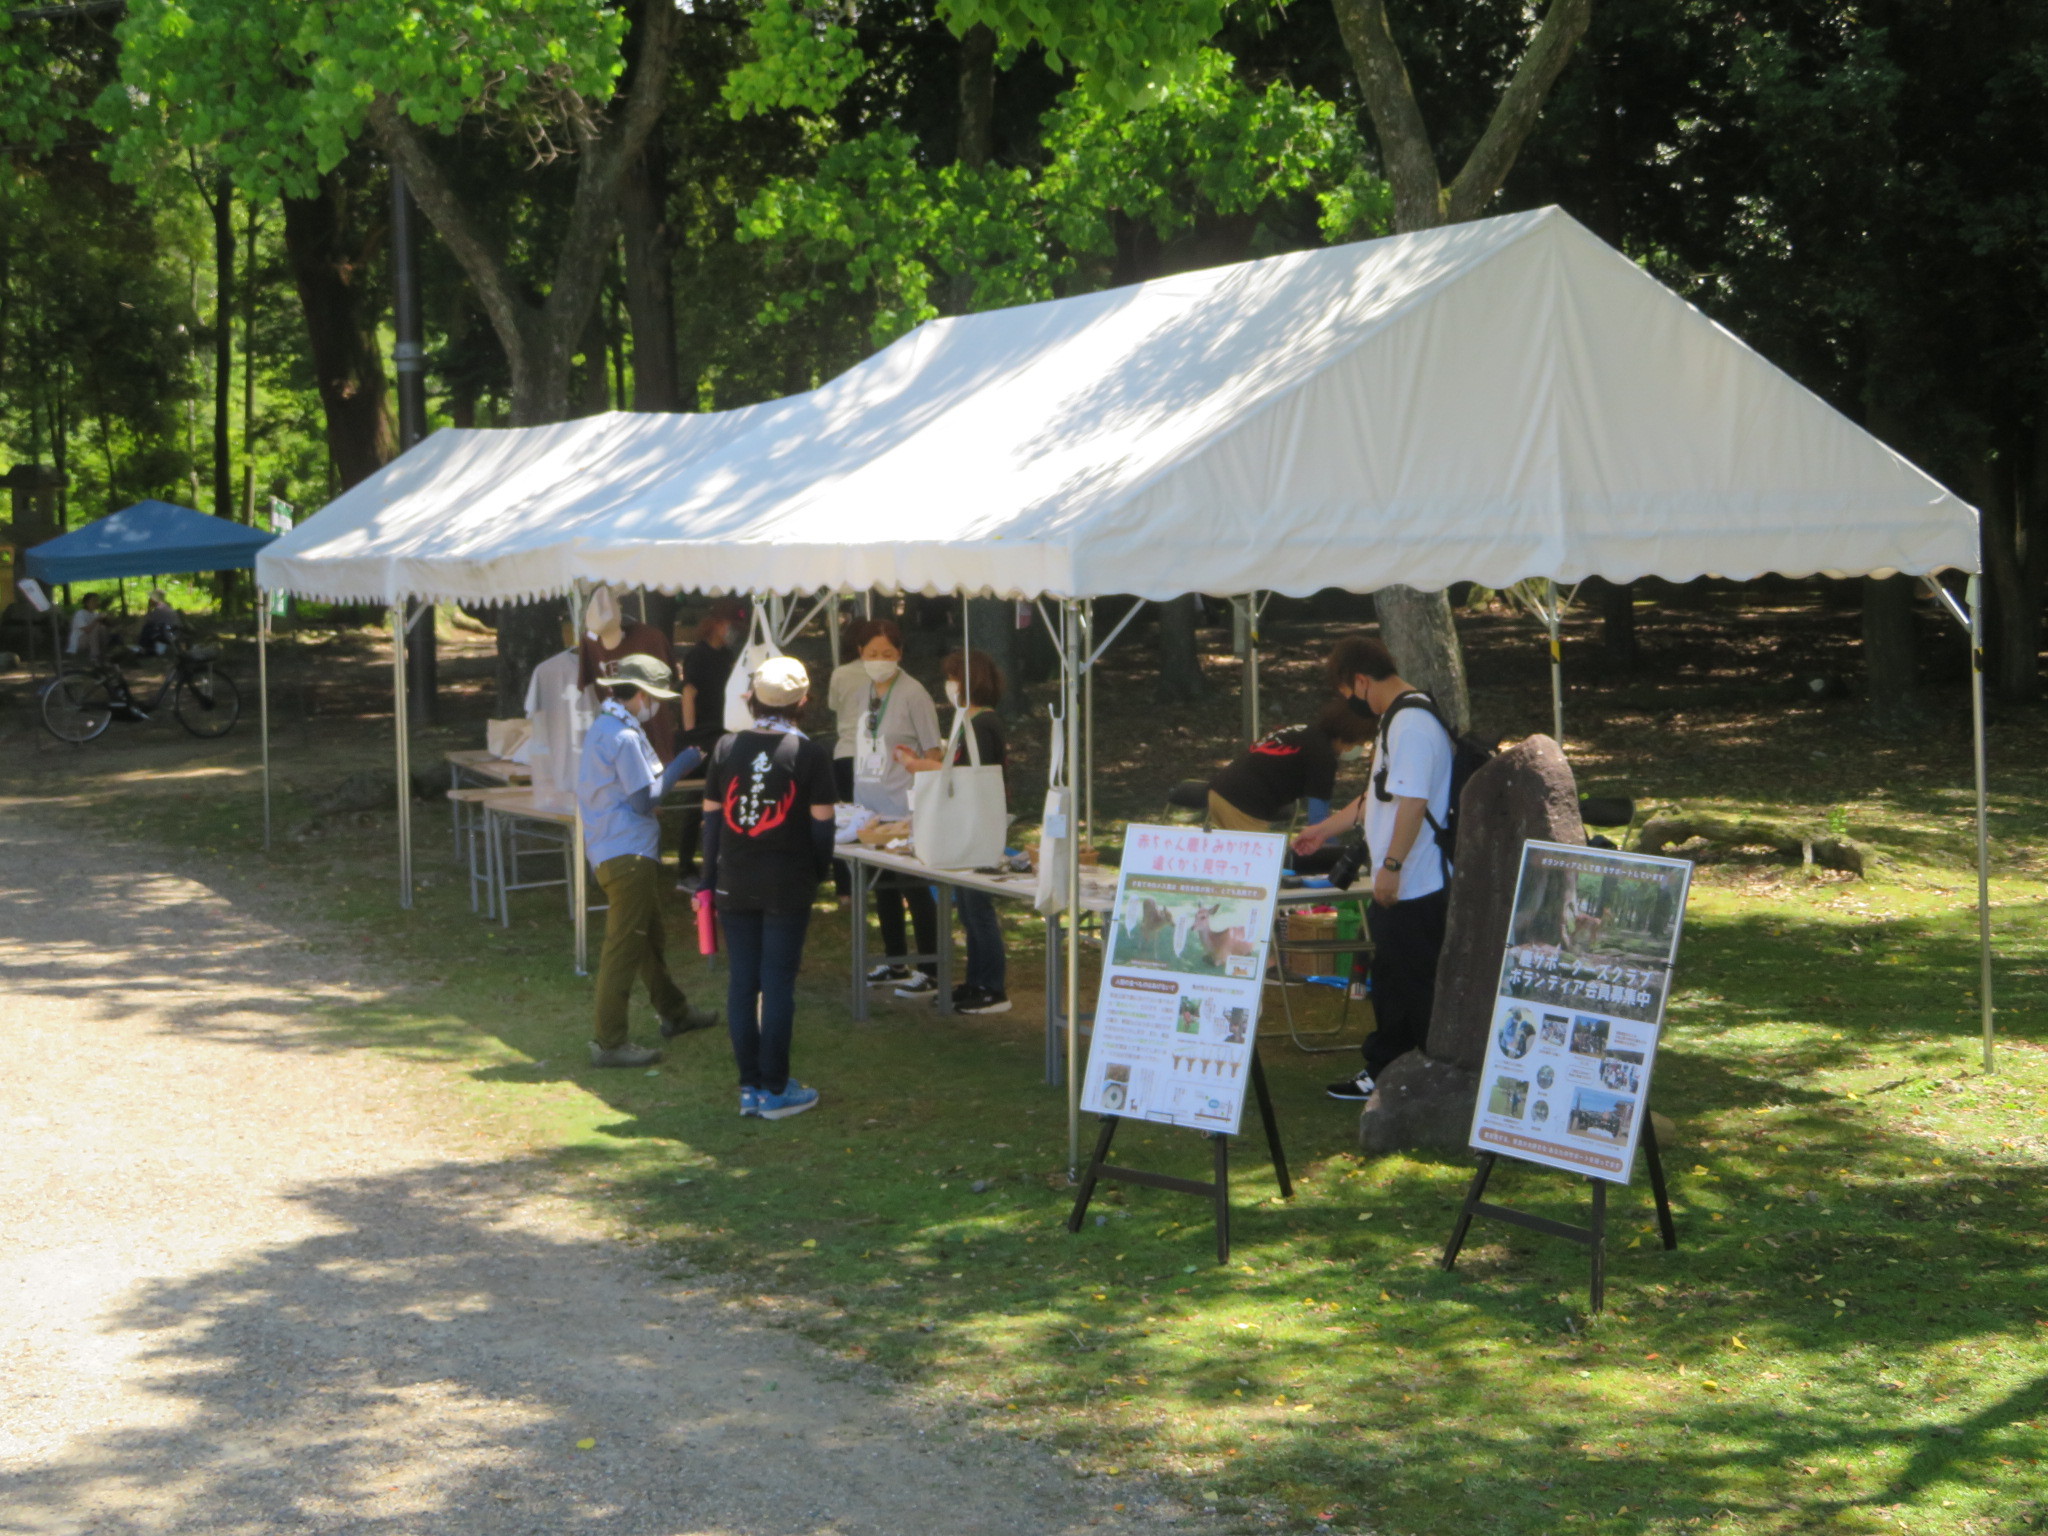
x=151, y=538
x=156, y=538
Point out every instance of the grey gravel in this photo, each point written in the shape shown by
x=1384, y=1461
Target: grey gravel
x=255, y=1281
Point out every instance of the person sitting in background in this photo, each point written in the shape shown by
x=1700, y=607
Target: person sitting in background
x=767, y=842
x=895, y=711
x=159, y=630
x=619, y=782
x=987, y=973
x=89, y=630
x=1258, y=791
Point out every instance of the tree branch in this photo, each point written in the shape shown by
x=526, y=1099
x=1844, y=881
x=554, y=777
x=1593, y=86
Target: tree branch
x=479, y=256
x=1514, y=118
x=1405, y=153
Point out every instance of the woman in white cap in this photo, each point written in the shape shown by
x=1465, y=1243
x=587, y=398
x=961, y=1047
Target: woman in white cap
x=768, y=800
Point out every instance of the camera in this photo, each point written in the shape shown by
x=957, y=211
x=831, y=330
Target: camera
x=1344, y=873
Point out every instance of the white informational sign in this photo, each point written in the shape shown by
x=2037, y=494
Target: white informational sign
x=32, y=589
x=1580, y=1005
x=1181, y=978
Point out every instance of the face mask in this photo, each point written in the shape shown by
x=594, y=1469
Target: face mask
x=1362, y=709
x=952, y=693
x=878, y=671
x=1352, y=753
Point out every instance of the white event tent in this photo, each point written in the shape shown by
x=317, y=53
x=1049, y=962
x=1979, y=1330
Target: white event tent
x=1494, y=401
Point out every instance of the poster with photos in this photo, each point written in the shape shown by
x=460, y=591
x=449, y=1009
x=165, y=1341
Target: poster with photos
x=1183, y=970
x=1583, y=985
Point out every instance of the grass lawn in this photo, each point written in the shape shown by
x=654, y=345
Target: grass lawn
x=1852, y=1336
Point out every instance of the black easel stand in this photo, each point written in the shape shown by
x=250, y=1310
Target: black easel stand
x=1217, y=1189
x=1593, y=1237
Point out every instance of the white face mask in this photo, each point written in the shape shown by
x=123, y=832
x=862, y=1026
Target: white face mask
x=952, y=693
x=878, y=671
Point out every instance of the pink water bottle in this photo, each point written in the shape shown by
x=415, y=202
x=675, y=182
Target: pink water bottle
x=707, y=924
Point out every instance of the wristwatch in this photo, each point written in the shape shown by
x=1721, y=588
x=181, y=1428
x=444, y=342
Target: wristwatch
x=1393, y=864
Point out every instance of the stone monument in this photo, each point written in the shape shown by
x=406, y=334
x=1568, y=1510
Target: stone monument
x=1424, y=1099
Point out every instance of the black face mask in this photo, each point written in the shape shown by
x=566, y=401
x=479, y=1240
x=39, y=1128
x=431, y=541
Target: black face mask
x=1360, y=708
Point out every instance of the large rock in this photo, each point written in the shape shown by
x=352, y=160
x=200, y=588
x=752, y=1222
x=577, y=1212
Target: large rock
x=1425, y=1098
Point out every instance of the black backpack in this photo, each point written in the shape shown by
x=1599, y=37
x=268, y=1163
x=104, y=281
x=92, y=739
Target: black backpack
x=1468, y=755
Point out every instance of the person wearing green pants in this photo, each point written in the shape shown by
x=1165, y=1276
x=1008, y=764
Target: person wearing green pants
x=619, y=782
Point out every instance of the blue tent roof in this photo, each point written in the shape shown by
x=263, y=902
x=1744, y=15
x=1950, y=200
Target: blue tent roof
x=151, y=538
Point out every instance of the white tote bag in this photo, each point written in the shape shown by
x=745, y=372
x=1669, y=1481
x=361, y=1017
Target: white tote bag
x=1052, y=831
x=758, y=649
x=959, y=814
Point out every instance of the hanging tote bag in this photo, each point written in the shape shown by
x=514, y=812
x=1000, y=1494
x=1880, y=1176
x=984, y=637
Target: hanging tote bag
x=757, y=650
x=959, y=814
x=1052, y=833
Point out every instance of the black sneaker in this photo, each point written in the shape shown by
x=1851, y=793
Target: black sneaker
x=917, y=984
x=1355, y=1090
x=689, y=1019
x=984, y=1001
x=887, y=975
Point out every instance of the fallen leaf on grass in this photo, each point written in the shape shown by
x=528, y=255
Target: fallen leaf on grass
x=586, y=1445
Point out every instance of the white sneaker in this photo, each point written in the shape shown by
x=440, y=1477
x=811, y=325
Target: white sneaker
x=919, y=985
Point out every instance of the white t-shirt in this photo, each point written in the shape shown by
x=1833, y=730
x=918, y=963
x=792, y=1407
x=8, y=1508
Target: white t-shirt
x=846, y=694
x=562, y=714
x=1418, y=763
x=81, y=623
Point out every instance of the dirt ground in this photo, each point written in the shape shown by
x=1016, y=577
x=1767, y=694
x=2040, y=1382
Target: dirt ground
x=255, y=1281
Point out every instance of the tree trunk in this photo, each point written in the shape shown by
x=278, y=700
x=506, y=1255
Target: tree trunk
x=1618, y=622
x=1891, y=655
x=1417, y=627
x=1180, y=658
x=223, y=210
x=326, y=255
x=650, y=282
x=992, y=630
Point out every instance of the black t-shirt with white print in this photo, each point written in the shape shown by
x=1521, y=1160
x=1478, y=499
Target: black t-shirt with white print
x=767, y=781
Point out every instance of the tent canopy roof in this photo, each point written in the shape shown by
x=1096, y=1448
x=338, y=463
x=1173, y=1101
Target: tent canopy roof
x=1490, y=401
x=151, y=538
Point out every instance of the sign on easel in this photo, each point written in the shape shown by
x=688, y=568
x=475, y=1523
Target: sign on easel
x=1580, y=1005
x=1183, y=969
x=1177, y=1015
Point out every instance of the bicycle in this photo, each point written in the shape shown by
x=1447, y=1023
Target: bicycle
x=81, y=703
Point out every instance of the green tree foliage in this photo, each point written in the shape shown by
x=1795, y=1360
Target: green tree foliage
x=878, y=222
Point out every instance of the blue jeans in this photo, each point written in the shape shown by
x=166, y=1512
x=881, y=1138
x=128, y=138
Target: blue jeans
x=764, y=949
x=985, y=962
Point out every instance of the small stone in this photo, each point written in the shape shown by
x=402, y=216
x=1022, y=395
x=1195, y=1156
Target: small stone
x=980, y=1186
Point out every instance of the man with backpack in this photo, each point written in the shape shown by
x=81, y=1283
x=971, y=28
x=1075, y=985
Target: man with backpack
x=1405, y=813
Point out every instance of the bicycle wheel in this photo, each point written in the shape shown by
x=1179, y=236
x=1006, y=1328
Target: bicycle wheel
x=208, y=703
x=77, y=707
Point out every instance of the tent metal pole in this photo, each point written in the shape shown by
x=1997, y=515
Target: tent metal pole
x=263, y=699
x=1551, y=618
x=832, y=632
x=1087, y=637
x=1070, y=625
x=403, y=749
x=1973, y=596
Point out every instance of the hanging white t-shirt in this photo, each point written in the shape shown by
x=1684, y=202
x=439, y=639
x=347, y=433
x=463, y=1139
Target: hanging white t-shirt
x=1417, y=757
x=561, y=714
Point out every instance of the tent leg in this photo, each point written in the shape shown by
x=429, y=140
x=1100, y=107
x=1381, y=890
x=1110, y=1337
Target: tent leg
x=1551, y=617
x=1070, y=627
x=1974, y=597
x=1087, y=652
x=1251, y=667
x=403, y=749
x=263, y=699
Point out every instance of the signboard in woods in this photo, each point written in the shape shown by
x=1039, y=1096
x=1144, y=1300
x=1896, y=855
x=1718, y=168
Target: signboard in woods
x=1580, y=1005
x=1184, y=966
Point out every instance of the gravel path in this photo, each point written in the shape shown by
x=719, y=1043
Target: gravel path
x=252, y=1282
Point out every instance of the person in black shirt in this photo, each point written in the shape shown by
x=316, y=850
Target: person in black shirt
x=706, y=669
x=987, y=966
x=1257, y=792
x=767, y=843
